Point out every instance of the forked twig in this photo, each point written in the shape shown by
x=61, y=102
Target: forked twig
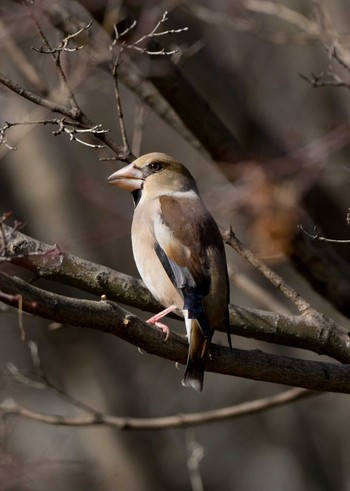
x=71, y=128
x=63, y=46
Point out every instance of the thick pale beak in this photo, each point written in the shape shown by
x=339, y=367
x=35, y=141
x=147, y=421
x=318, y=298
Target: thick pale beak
x=129, y=178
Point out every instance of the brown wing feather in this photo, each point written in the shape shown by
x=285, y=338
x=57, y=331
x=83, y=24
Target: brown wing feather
x=194, y=230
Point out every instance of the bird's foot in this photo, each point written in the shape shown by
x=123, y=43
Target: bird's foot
x=154, y=320
x=163, y=327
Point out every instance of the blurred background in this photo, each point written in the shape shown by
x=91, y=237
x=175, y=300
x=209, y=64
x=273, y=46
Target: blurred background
x=245, y=58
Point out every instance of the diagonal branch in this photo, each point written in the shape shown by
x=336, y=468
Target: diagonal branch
x=278, y=282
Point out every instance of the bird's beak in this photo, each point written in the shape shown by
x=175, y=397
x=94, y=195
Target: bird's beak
x=129, y=177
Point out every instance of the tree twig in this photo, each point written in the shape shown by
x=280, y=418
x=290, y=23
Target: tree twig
x=9, y=407
x=123, y=132
x=301, y=304
x=63, y=46
x=320, y=238
x=55, y=57
x=72, y=113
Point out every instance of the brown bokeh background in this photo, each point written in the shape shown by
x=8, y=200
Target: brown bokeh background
x=246, y=65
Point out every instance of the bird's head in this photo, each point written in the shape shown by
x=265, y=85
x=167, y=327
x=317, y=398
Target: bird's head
x=155, y=174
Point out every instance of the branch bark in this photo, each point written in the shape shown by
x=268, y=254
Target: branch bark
x=108, y=317
x=311, y=331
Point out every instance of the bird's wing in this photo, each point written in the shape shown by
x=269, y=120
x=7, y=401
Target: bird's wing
x=183, y=232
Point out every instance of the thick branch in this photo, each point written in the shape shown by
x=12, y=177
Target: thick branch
x=67, y=15
x=110, y=318
x=54, y=264
x=192, y=108
x=311, y=331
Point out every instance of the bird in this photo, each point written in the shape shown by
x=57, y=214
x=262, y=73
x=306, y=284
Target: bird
x=179, y=252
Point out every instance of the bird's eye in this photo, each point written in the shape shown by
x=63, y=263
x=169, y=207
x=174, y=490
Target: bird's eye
x=155, y=166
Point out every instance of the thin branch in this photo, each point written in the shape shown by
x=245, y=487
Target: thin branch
x=9, y=407
x=221, y=144
x=119, y=104
x=319, y=81
x=326, y=271
x=71, y=128
x=3, y=139
x=63, y=46
x=116, y=63
x=23, y=380
x=42, y=382
x=301, y=304
x=339, y=58
x=72, y=132
x=55, y=57
x=152, y=35
x=320, y=238
x=19, y=58
x=72, y=113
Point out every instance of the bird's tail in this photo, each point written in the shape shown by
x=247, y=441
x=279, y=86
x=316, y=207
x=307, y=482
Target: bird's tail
x=197, y=355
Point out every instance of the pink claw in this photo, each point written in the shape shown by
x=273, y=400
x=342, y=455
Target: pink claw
x=154, y=320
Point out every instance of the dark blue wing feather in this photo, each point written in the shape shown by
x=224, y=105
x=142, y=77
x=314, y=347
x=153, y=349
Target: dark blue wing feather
x=183, y=280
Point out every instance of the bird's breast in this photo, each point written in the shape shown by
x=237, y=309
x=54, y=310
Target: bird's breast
x=147, y=262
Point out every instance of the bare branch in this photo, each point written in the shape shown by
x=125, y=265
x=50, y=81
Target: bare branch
x=115, y=66
x=320, y=238
x=310, y=331
x=301, y=304
x=23, y=380
x=9, y=407
x=74, y=114
x=71, y=128
x=72, y=132
x=63, y=46
x=117, y=42
x=3, y=139
x=326, y=270
x=321, y=80
x=152, y=35
x=55, y=57
x=110, y=318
